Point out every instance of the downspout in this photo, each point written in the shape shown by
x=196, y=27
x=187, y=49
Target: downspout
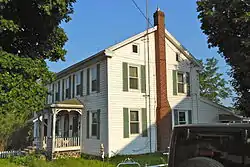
x=197, y=102
x=193, y=93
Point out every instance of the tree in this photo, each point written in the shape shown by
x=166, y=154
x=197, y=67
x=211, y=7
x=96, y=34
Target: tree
x=29, y=34
x=212, y=85
x=226, y=24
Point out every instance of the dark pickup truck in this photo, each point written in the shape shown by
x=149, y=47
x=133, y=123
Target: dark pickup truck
x=210, y=145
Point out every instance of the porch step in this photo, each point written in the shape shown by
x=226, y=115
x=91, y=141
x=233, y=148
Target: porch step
x=29, y=149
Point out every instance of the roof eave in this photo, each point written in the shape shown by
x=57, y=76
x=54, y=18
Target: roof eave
x=80, y=63
x=184, y=51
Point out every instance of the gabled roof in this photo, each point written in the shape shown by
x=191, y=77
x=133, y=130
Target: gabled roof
x=131, y=39
x=205, y=100
x=168, y=36
x=109, y=51
x=183, y=50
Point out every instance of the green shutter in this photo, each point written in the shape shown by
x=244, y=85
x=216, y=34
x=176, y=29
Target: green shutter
x=189, y=116
x=125, y=123
x=53, y=93
x=87, y=126
x=188, y=83
x=59, y=90
x=62, y=89
x=69, y=87
x=125, y=76
x=99, y=122
x=88, y=80
x=176, y=117
x=144, y=122
x=98, y=78
x=143, y=79
x=73, y=89
x=174, y=82
x=47, y=99
x=81, y=81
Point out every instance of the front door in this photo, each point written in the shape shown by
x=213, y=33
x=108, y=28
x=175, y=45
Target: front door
x=75, y=131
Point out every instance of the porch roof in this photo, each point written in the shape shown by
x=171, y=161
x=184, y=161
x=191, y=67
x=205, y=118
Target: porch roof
x=69, y=104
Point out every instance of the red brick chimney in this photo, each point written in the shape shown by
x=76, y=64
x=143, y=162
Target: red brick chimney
x=163, y=111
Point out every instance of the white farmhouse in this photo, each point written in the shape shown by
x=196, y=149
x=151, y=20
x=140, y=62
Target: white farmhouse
x=127, y=97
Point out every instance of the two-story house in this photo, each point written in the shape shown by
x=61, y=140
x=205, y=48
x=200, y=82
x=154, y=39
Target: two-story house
x=127, y=97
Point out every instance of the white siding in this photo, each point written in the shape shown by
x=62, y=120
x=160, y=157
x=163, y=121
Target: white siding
x=94, y=101
x=119, y=99
x=209, y=113
x=131, y=99
x=181, y=101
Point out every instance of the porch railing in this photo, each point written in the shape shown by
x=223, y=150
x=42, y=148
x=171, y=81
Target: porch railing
x=61, y=142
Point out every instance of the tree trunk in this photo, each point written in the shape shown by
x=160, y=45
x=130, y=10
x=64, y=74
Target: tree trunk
x=3, y=144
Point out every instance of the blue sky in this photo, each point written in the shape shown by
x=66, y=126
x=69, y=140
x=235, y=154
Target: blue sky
x=97, y=24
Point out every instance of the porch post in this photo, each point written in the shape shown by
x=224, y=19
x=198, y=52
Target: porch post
x=54, y=130
x=49, y=134
x=81, y=131
x=70, y=124
x=41, y=130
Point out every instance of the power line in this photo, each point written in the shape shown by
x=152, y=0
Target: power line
x=147, y=19
x=136, y=5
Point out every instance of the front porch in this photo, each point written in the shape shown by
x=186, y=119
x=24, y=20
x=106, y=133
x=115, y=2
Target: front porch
x=58, y=127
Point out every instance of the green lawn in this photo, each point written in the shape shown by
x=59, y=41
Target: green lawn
x=150, y=159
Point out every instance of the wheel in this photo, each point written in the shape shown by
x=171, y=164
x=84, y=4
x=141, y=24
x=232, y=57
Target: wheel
x=201, y=162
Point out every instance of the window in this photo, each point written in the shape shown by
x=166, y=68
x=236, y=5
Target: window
x=177, y=55
x=182, y=117
x=78, y=83
x=133, y=77
x=57, y=87
x=67, y=88
x=75, y=129
x=93, y=79
x=50, y=94
x=94, y=124
x=134, y=122
x=180, y=79
x=135, y=48
x=66, y=125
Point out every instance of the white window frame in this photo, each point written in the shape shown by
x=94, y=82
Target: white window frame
x=77, y=82
x=138, y=48
x=186, y=116
x=139, y=122
x=93, y=68
x=138, y=77
x=56, y=89
x=184, y=83
x=91, y=122
x=66, y=86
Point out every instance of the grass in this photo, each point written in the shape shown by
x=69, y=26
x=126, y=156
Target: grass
x=85, y=161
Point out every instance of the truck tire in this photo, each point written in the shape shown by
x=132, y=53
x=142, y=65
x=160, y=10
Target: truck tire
x=201, y=162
